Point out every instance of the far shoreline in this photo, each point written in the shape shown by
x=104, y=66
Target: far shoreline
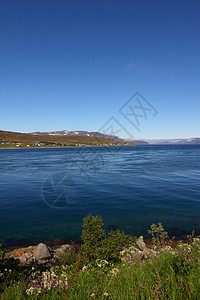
x=70, y=147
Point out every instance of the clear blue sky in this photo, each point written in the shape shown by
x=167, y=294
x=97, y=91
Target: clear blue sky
x=69, y=64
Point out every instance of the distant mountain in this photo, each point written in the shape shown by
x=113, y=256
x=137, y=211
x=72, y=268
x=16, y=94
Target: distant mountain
x=90, y=134
x=137, y=142
x=190, y=141
x=78, y=133
x=174, y=141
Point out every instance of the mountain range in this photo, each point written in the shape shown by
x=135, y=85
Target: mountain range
x=89, y=134
x=193, y=140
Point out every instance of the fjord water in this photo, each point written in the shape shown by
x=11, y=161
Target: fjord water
x=45, y=193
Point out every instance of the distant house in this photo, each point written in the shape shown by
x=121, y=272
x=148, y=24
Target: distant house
x=37, y=144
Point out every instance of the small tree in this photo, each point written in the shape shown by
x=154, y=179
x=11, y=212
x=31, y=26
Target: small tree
x=92, y=236
x=158, y=234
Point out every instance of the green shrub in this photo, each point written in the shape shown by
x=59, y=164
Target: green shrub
x=99, y=246
x=114, y=243
x=158, y=234
x=92, y=236
x=1, y=253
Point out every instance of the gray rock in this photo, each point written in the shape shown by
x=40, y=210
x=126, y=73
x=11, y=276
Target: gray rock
x=41, y=252
x=22, y=259
x=29, y=255
x=140, y=243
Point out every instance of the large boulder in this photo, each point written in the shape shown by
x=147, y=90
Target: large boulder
x=41, y=251
x=140, y=243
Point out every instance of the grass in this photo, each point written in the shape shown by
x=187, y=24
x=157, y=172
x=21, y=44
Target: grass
x=170, y=274
x=155, y=279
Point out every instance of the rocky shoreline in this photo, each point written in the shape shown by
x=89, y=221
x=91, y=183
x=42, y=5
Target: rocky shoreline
x=44, y=254
x=40, y=254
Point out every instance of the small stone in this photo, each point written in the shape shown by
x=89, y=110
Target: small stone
x=29, y=257
x=22, y=259
x=65, y=247
x=140, y=243
x=58, y=252
x=41, y=252
x=29, y=254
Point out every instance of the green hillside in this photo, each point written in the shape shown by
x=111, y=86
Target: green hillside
x=10, y=139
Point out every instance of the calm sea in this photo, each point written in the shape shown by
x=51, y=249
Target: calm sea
x=45, y=193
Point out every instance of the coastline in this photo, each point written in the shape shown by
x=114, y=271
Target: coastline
x=19, y=244
x=67, y=147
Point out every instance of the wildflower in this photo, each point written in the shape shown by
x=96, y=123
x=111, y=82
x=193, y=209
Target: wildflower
x=114, y=271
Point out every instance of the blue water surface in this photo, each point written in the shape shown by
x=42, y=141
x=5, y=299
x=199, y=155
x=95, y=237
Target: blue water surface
x=45, y=193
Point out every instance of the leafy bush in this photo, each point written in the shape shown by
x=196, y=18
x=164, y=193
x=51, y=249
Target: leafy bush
x=2, y=253
x=114, y=243
x=99, y=246
x=158, y=234
x=92, y=236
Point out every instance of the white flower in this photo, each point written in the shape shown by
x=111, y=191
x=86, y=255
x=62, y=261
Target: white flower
x=101, y=263
x=30, y=290
x=106, y=294
x=114, y=271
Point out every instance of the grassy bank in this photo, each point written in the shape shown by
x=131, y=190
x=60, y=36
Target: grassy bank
x=97, y=270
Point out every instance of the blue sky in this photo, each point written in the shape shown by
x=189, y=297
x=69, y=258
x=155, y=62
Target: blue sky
x=69, y=64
